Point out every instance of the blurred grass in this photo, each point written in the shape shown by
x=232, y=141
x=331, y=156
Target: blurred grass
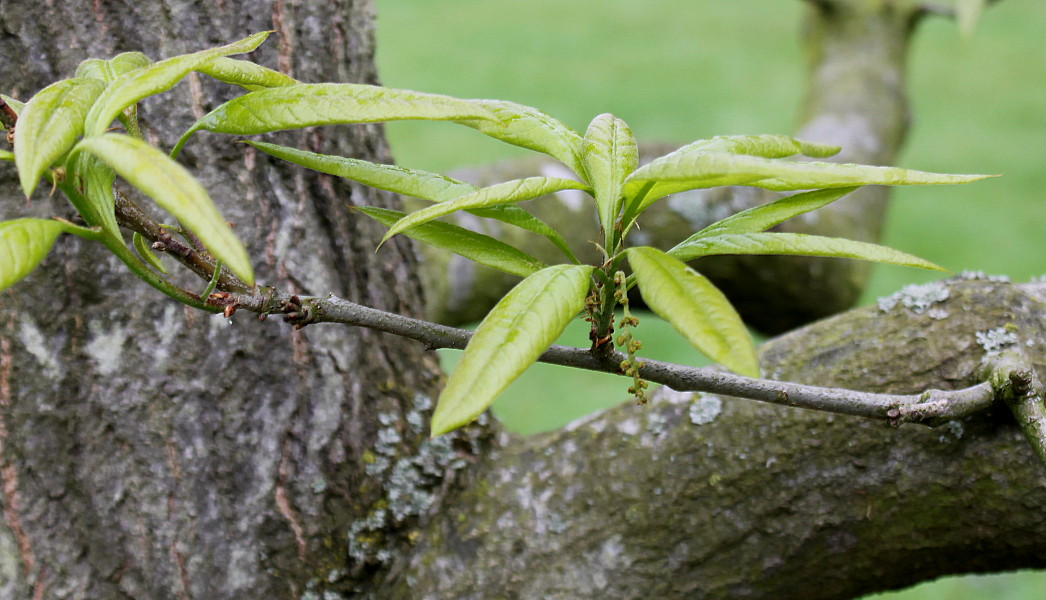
x=676, y=70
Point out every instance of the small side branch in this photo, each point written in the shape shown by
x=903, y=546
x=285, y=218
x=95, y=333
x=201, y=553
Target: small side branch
x=1017, y=383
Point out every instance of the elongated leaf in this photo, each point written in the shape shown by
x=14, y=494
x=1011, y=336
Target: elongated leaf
x=15, y=105
x=412, y=182
x=309, y=104
x=146, y=253
x=529, y=128
x=508, y=192
x=158, y=77
x=474, y=246
x=50, y=124
x=391, y=178
x=695, y=308
x=766, y=146
x=96, y=185
x=23, y=244
x=248, y=75
x=703, y=170
x=763, y=217
x=968, y=12
x=7, y=156
x=176, y=191
x=610, y=155
x=110, y=70
x=511, y=337
x=796, y=244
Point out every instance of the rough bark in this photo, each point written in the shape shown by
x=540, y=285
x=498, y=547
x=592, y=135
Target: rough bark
x=154, y=452
x=856, y=99
x=697, y=496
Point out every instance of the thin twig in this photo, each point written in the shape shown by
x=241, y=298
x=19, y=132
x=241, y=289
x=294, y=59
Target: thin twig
x=931, y=408
x=1018, y=384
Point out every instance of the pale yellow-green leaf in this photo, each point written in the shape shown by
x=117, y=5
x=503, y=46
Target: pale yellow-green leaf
x=695, y=308
x=176, y=191
x=610, y=154
x=511, y=337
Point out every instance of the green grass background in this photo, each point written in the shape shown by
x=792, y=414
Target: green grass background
x=679, y=70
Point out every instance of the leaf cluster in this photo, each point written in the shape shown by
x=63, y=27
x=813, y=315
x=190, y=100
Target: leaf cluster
x=62, y=133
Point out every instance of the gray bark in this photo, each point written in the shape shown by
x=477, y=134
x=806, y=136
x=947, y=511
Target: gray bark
x=155, y=452
x=147, y=451
x=700, y=497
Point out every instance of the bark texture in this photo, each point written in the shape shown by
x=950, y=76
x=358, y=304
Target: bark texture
x=700, y=497
x=154, y=452
x=855, y=99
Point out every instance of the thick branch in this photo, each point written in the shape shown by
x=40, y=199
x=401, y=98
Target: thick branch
x=694, y=496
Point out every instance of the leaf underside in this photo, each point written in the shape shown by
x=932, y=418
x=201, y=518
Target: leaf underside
x=511, y=337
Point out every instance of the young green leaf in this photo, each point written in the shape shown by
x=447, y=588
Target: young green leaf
x=695, y=308
x=23, y=244
x=146, y=253
x=391, y=178
x=310, y=104
x=763, y=217
x=15, y=105
x=49, y=126
x=7, y=156
x=511, y=337
x=109, y=70
x=412, y=182
x=766, y=146
x=176, y=191
x=248, y=75
x=95, y=202
x=610, y=154
x=703, y=170
x=967, y=13
x=476, y=247
x=508, y=192
x=796, y=244
x=157, y=77
x=529, y=128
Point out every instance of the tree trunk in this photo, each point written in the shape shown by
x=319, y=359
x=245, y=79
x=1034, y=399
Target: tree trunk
x=150, y=451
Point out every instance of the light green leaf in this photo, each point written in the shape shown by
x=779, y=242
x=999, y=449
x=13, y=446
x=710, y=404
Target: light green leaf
x=96, y=187
x=158, y=77
x=49, y=126
x=146, y=253
x=310, y=104
x=529, y=128
x=796, y=244
x=511, y=337
x=967, y=13
x=766, y=146
x=7, y=156
x=23, y=244
x=695, y=308
x=109, y=70
x=15, y=105
x=474, y=246
x=412, y=182
x=391, y=178
x=248, y=75
x=610, y=154
x=697, y=170
x=176, y=191
x=508, y=192
x=763, y=217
